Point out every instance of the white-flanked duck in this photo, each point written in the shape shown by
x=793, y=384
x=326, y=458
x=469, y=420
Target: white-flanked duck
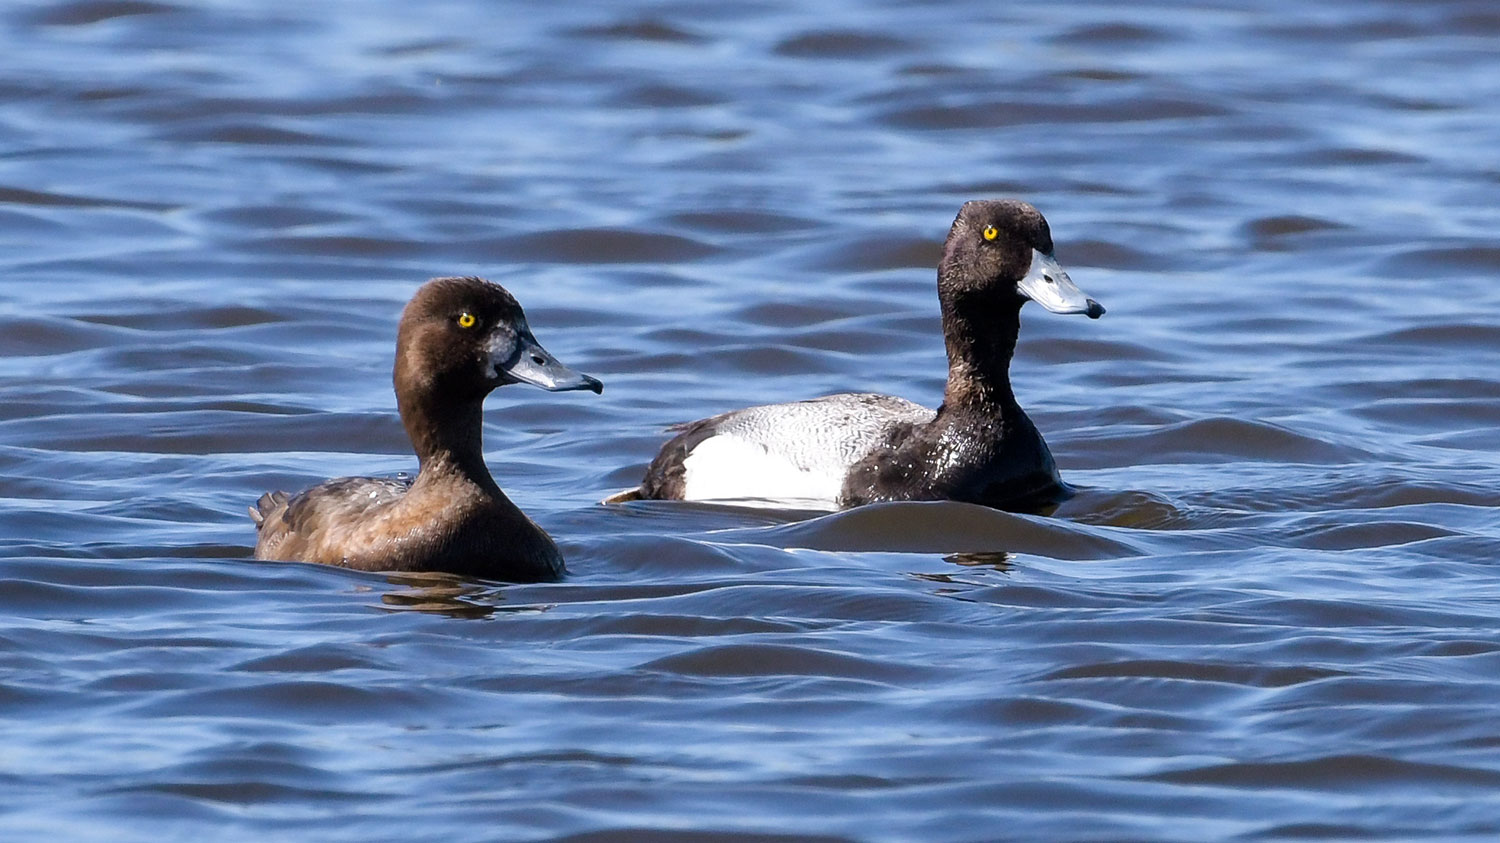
x=852, y=449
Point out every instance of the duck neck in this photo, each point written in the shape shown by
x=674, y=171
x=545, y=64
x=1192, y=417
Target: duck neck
x=448, y=441
x=981, y=340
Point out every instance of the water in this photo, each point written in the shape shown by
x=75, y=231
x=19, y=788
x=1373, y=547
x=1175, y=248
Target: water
x=1271, y=615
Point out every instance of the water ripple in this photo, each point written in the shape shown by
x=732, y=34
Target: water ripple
x=1268, y=613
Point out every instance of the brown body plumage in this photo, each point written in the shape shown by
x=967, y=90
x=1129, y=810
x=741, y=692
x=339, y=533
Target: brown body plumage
x=459, y=339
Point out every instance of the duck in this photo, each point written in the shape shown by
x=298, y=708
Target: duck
x=851, y=449
x=457, y=341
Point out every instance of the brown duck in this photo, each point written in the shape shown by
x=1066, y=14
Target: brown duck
x=459, y=339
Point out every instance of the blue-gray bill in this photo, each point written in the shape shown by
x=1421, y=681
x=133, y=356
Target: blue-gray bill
x=1048, y=285
x=529, y=363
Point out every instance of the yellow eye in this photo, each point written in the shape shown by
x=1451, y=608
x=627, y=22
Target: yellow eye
x=466, y=320
x=991, y=232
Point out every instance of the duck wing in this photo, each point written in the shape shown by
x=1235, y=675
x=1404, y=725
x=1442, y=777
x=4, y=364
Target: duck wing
x=799, y=451
x=289, y=526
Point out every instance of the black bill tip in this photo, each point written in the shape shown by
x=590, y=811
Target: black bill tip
x=1095, y=310
x=573, y=380
x=527, y=362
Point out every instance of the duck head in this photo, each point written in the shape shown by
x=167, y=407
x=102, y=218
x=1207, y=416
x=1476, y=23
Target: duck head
x=460, y=338
x=1004, y=247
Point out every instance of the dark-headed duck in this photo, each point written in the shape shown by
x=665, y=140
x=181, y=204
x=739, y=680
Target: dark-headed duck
x=852, y=449
x=459, y=338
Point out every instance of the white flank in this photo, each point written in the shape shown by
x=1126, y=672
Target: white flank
x=726, y=467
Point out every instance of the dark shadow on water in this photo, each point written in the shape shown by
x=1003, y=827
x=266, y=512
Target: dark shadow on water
x=997, y=560
x=938, y=527
x=975, y=570
x=448, y=594
x=1132, y=508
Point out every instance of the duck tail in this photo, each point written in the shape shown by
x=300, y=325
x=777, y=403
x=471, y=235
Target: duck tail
x=624, y=497
x=269, y=505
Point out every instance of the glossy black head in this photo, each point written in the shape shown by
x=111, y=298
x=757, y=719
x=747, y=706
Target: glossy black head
x=460, y=338
x=1001, y=249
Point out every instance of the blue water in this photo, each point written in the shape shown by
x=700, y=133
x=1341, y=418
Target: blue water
x=1271, y=615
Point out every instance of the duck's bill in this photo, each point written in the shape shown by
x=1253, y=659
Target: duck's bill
x=529, y=363
x=1048, y=285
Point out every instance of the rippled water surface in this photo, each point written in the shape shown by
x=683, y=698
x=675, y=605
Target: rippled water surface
x=1270, y=615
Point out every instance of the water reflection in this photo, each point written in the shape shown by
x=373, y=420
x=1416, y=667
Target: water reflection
x=996, y=560
x=448, y=594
